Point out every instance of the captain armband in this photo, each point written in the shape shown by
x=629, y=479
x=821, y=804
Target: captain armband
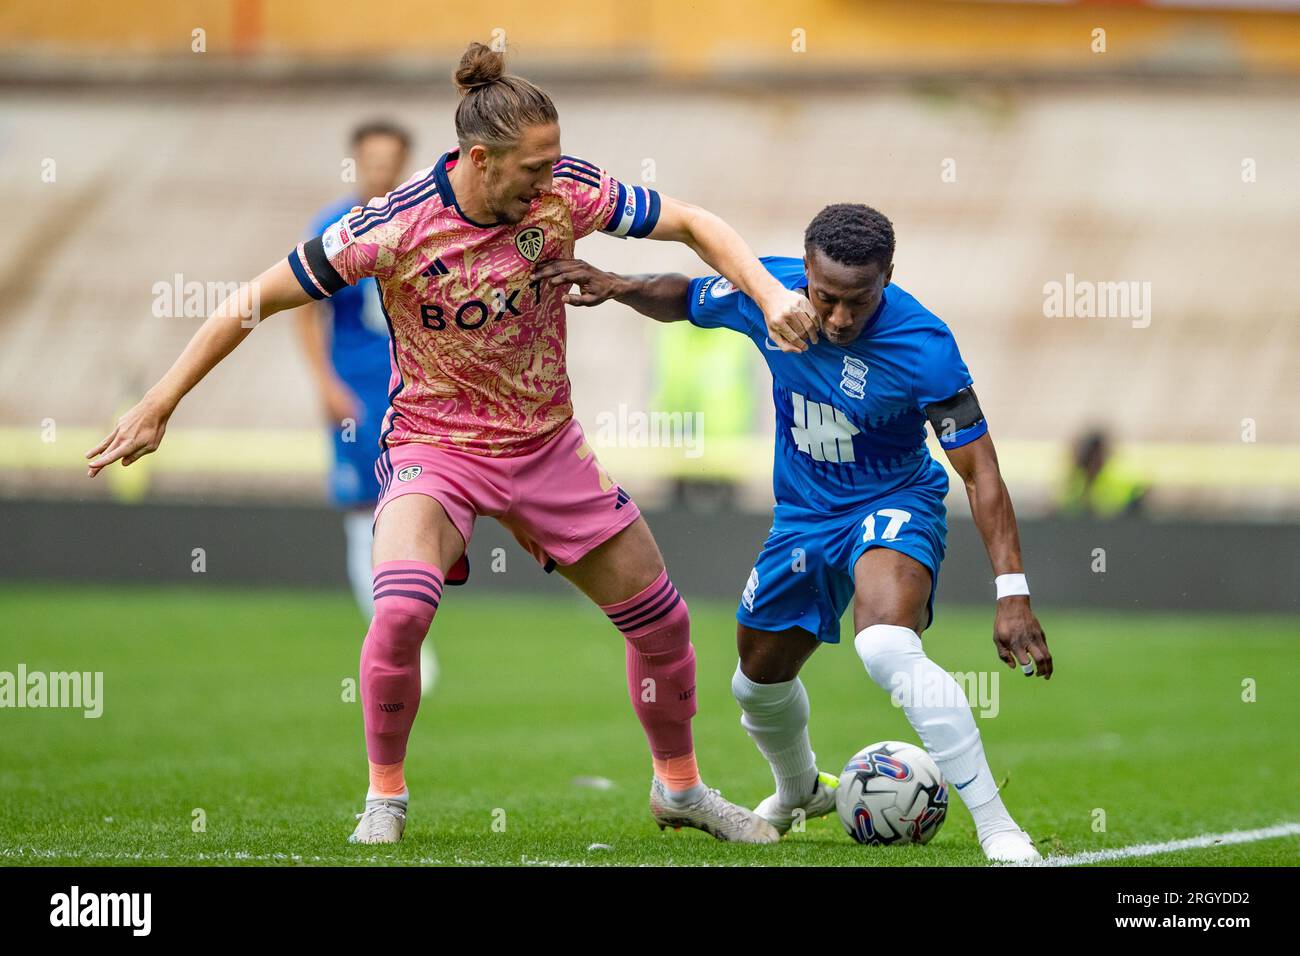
x=311, y=265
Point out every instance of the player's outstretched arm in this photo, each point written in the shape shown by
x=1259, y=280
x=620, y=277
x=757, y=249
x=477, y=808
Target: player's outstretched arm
x=662, y=296
x=790, y=319
x=1016, y=632
x=140, y=430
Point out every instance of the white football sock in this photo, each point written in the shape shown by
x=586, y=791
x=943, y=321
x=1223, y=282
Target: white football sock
x=776, y=717
x=937, y=709
x=401, y=798
x=356, y=529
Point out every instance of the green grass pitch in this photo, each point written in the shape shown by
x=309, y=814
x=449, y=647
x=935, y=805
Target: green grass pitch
x=231, y=702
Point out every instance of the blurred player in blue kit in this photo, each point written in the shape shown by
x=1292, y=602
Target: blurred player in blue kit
x=345, y=340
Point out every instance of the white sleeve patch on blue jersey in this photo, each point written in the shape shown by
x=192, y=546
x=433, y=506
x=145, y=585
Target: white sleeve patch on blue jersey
x=712, y=302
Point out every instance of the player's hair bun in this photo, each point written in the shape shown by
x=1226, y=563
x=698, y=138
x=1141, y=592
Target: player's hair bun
x=480, y=66
x=502, y=105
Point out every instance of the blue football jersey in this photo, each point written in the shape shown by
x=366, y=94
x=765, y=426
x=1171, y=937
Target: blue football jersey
x=359, y=349
x=850, y=420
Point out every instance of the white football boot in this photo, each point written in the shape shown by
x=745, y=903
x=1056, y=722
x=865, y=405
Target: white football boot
x=819, y=803
x=1010, y=846
x=713, y=814
x=382, y=822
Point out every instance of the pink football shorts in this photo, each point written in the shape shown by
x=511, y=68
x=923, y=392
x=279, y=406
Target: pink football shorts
x=557, y=501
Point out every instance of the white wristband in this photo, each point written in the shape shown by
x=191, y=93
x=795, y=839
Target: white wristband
x=1009, y=585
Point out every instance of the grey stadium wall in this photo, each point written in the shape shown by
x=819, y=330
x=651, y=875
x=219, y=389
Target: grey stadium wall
x=1148, y=565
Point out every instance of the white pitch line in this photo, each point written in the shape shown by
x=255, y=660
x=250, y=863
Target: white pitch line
x=1173, y=846
x=1077, y=859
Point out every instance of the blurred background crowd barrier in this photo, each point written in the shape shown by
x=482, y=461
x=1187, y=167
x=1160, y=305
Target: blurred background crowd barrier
x=1100, y=199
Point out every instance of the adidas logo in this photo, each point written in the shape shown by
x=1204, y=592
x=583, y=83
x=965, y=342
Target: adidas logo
x=435, y=269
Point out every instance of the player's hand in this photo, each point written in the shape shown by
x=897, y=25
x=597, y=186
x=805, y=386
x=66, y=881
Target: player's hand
x=594, y=285
x=340, y=402
x=1019, y=638
x=791, y=322
x=138, y=433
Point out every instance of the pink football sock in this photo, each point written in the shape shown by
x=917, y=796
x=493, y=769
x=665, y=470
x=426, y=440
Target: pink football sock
x=406, y=595
x=661, y=672
x=386, y=780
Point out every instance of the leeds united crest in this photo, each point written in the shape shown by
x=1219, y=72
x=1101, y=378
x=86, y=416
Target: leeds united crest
x=529, y=243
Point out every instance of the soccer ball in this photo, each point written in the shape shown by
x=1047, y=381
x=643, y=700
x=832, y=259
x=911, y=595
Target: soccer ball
x=892, y=792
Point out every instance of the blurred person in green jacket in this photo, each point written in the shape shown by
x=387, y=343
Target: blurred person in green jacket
x=1095, y=485
x=696, y=372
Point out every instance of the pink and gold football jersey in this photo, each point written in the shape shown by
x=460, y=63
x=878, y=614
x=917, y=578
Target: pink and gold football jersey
x=478, y=345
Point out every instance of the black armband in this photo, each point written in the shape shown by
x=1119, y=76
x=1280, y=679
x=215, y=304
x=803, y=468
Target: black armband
x=957, y=420
x=313, y=270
